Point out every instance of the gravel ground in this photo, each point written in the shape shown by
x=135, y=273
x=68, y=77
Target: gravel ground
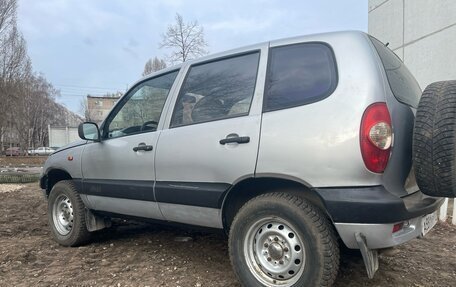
x=10, y=187
x=139, y=254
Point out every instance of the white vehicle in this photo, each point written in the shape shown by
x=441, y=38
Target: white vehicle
x=41, y=151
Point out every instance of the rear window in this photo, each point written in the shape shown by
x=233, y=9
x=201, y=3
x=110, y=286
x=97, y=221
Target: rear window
x=401, y=81
x=299, y=74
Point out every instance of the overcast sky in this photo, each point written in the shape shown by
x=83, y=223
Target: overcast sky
x=87, y=46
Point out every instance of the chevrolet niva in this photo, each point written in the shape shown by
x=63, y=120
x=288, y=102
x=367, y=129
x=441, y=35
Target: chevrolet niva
x=293, y=147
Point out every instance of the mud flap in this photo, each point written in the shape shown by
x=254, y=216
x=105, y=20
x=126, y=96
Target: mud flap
x=370, y=256
x=94, y=223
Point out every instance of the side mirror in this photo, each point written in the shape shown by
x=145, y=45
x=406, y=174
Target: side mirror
x=89, y=131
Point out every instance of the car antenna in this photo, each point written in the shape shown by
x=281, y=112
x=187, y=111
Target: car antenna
x=387, y=43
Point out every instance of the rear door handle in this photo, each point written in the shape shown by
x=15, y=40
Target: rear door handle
x=144, y=147
x=234, y=138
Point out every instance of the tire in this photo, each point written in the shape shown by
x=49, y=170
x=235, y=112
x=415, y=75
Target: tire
x=66, y=215
x=295, y=241
x=434, y=140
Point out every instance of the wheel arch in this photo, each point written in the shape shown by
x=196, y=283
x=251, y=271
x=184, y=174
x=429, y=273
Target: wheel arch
x=248, y=188
x=53, y=176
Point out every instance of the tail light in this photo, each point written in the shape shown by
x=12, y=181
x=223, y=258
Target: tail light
x=376, y=137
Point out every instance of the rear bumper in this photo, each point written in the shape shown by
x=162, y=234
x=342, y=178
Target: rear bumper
x=373, y=211
x=379, y=235
x=375, y=204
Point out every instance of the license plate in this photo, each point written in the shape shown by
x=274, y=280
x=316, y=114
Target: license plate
x=428, y=222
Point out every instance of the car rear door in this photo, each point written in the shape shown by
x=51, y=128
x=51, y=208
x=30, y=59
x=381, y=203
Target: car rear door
x=212, y=139
x=118, y=172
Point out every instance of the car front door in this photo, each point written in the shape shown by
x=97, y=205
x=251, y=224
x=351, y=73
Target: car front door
x=212, y=139
x=118, y=172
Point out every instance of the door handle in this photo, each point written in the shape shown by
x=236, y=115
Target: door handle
x=144, y=147
x=234, y=138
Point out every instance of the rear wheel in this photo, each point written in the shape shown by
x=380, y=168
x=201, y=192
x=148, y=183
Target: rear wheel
x=278, y=239
x=434, y=140
x=66, y=215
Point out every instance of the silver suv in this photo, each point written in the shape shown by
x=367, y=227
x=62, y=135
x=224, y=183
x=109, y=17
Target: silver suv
x=291, y=146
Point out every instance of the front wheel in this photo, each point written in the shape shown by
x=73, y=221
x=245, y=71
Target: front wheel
x=66, y=215
x=279, y=239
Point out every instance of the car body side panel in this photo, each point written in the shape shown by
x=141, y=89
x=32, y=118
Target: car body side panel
x=190, y=155
x=61, y=160
x=192, y=163
x=319, y=142
x=109, y=166
x=131, y=207
x=114, y=159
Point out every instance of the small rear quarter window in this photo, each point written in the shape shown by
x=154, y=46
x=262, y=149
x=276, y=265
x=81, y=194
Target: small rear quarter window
x=299, y=74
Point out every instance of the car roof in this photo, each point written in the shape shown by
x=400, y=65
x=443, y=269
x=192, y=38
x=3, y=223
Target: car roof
x=349, y=35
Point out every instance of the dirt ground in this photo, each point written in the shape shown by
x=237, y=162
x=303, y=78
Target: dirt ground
x=138, y=254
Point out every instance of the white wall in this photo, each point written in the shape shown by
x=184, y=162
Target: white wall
x=60, y=136
x=421, y=32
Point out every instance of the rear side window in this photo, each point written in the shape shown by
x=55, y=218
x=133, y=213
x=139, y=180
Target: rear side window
x=299, y=74
x=401, y=81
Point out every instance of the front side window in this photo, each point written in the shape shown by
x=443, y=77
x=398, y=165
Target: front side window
x=141, y=108
x=299, y=74
x=217, y=90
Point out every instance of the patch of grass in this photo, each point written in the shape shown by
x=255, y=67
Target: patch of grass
x=18, y=177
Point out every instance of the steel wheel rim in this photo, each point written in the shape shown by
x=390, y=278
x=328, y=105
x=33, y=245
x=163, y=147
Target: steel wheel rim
x=274, y=251
x=62, y=214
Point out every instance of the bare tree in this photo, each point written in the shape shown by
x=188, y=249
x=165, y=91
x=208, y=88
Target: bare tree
x=153, y=65
x=35, y=109
x=186, y=40
x=15, y=68
x=7, y=15
x=27, y=99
